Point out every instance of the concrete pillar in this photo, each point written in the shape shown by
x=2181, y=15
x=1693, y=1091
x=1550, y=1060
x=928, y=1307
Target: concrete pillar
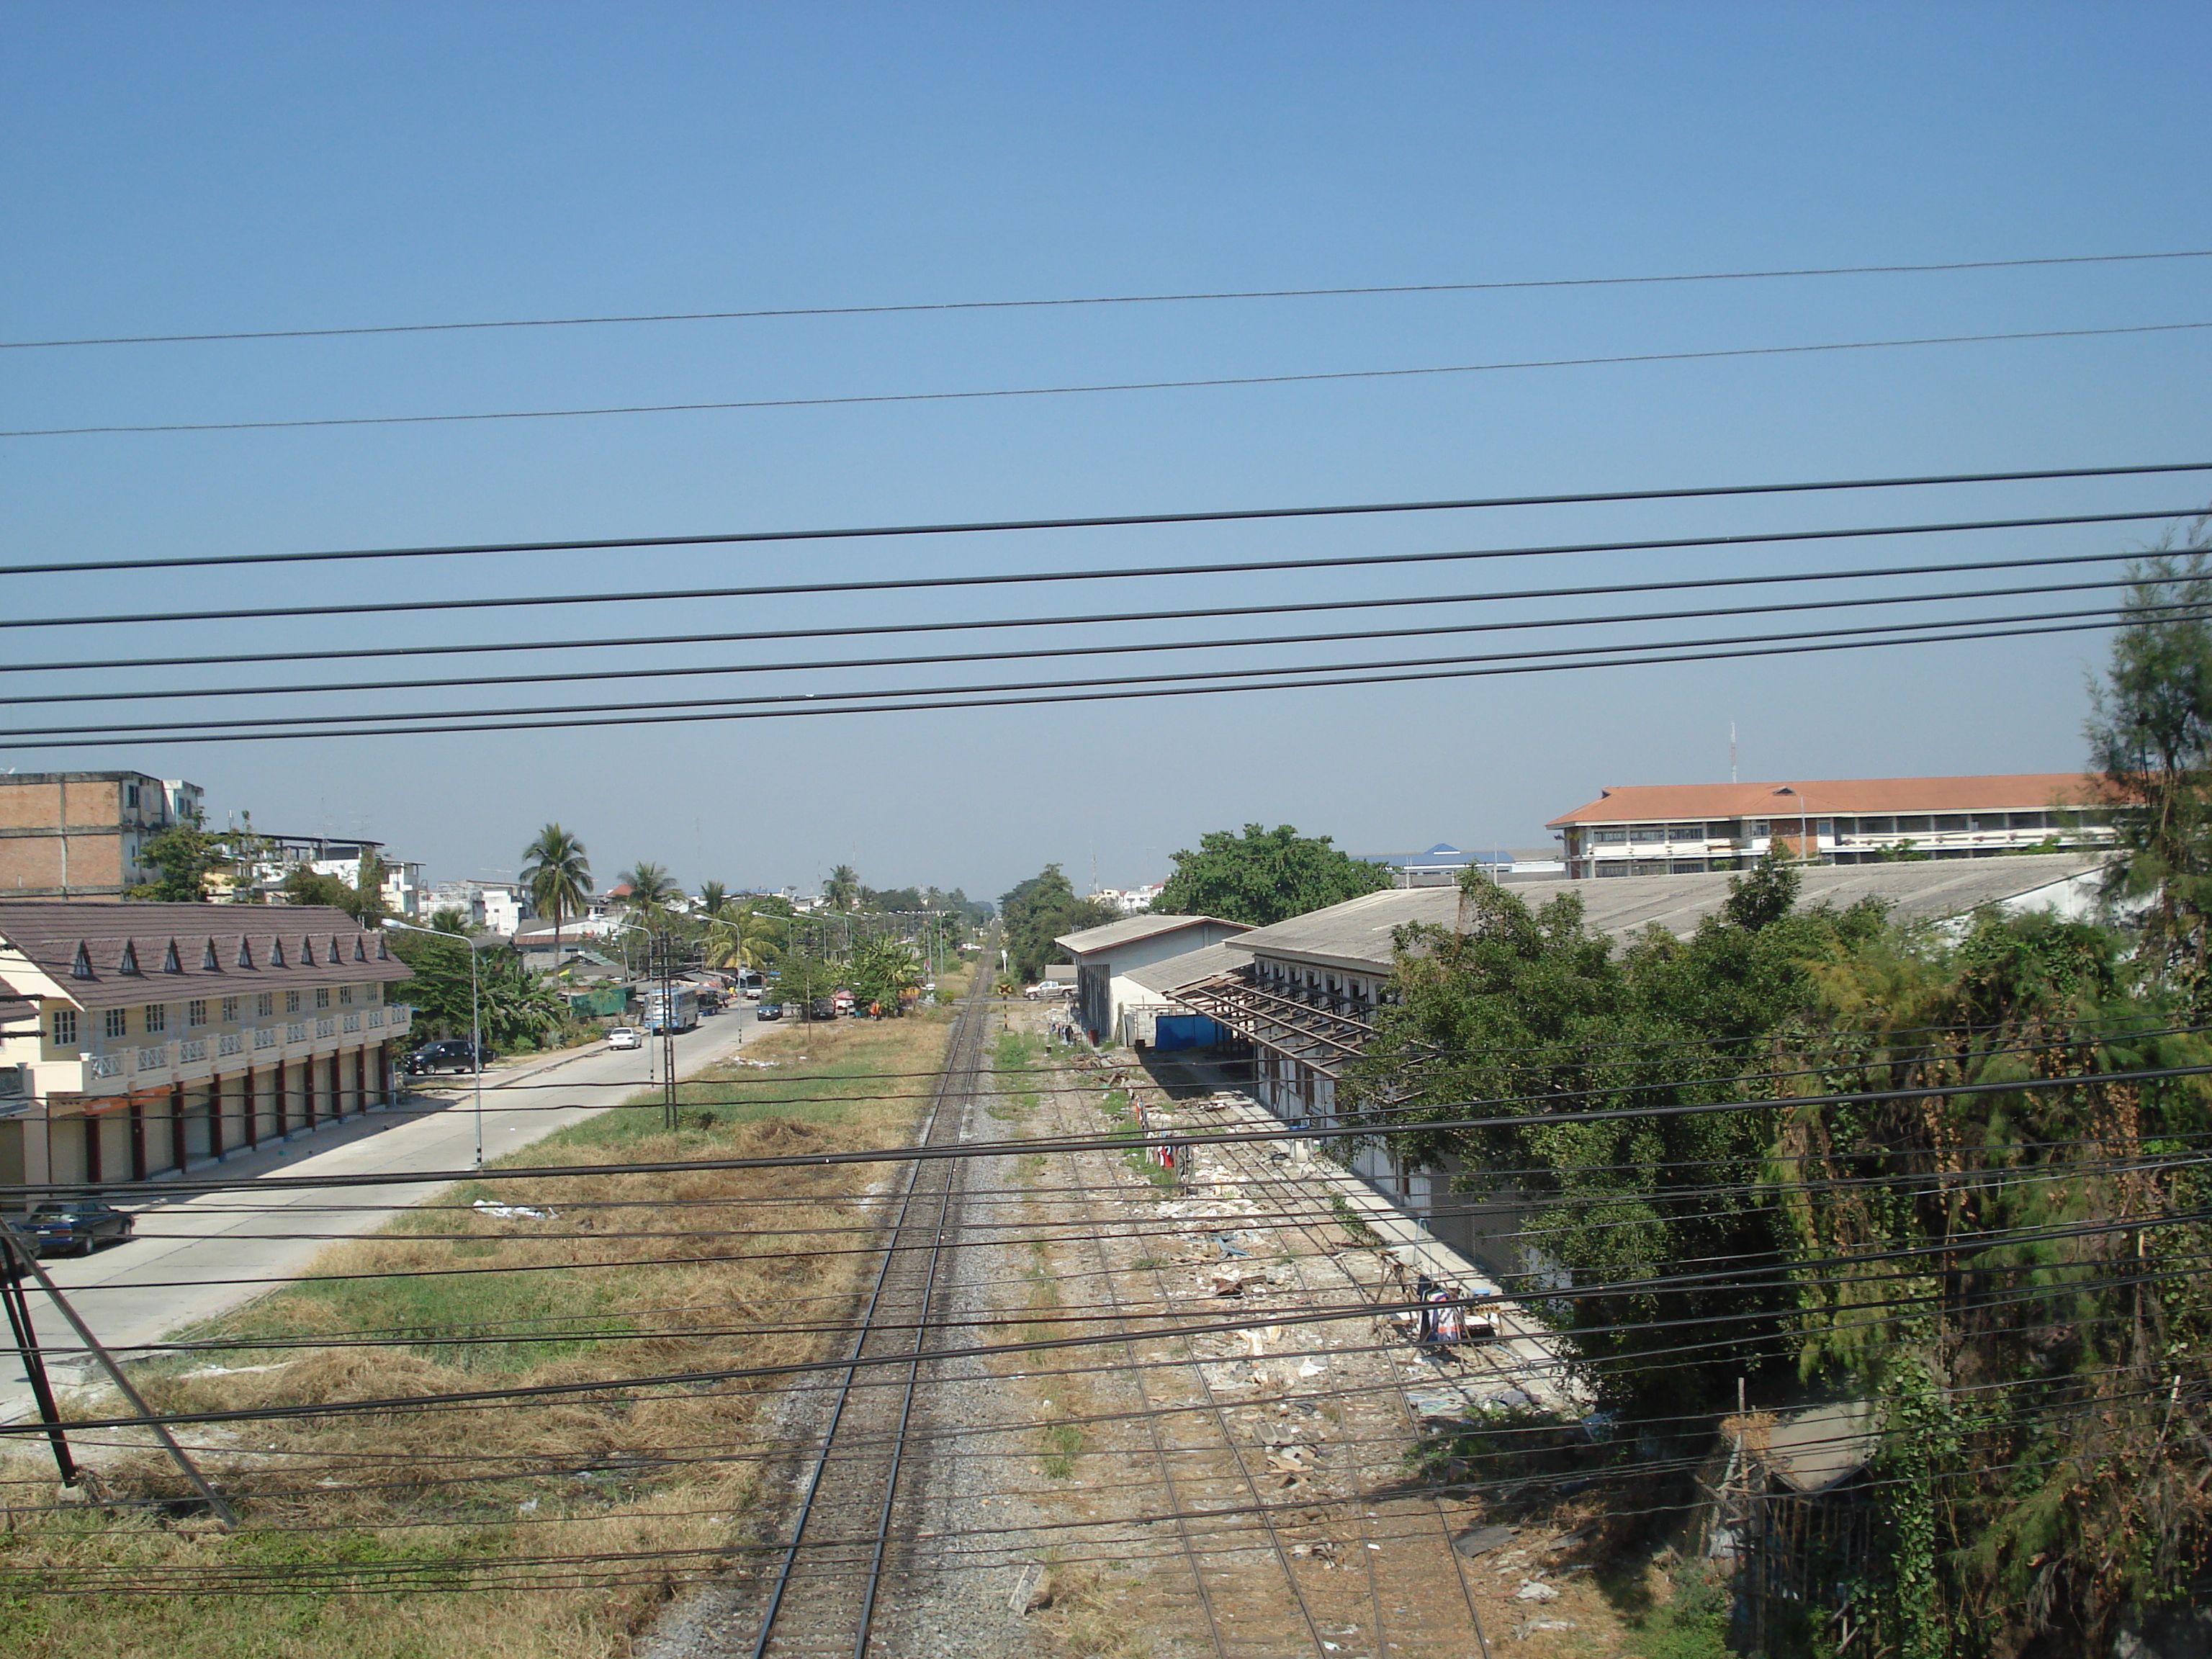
x=176, y=1124
x=252, y=1109
x=215, y=1116
x=137, y=1139
x=92, y=1170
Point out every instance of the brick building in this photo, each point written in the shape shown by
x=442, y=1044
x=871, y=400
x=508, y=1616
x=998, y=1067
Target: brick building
x=82, y=835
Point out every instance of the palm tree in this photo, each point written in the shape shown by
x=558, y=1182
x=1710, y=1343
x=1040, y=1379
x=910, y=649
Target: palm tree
x=559, y=877
x=713, y=895
x=651, y=887
x=745, y=937
x=842, y=890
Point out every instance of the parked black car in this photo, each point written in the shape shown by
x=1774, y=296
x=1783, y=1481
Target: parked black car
x=450, y=1054
x=822, y=1008
x=768, y=1008
x=76, y=1225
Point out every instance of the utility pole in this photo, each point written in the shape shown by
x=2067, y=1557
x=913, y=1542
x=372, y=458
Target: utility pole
x=35, y=1363
x=28, y=1254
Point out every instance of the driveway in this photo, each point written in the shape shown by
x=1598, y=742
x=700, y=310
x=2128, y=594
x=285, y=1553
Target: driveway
x=197, y=1256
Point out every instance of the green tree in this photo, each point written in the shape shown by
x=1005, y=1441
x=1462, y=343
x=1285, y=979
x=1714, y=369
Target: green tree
x=186, y=855
x=1040, y=911
x=713, y=895
x=842, y=890
x=2150, y=740
x=558, y=873
x=744, y=936
x=450, y=918
x=801, y=978
x=364, y=903
x=881, y=967
x=1264, y=876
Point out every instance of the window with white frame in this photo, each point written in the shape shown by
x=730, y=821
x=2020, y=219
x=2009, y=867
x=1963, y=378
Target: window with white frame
x=117, y=1021
x=291, y=1002
x=230, y=1011
x=64, y=1029
x=322, y=996
x=157, y=1017
x=265, y=1005
x=196, y=1012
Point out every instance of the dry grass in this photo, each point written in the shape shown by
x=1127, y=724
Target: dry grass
x=483, y=1510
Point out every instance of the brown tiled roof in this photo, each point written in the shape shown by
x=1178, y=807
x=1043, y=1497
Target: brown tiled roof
x=134, y=953
x=2025, y=792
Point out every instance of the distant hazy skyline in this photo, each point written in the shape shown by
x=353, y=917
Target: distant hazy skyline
x=194, y=169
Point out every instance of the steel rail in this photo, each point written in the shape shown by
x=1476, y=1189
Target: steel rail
x=969, y=1036
x=969, y=1022
x=1258, y=1506
x=1151, y=1421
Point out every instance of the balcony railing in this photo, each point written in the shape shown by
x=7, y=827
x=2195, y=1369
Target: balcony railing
x=152, y=1060
x=194, y=1049
x=104, y=1065
x=264, y=1036
x=376, y=1017
x=326, y=1028
x=295, y=1033
x=353, y=1022
x=230, y=1043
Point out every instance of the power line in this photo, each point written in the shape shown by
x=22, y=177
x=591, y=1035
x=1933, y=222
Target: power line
x=983, y=527
x=1188, y=1138
x=1074, y=390
x=1133, y=648
x=810, y=705
x=1113, y=574
x=925, y=306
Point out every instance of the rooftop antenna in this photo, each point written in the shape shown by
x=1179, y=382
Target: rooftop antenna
x=1731, y=752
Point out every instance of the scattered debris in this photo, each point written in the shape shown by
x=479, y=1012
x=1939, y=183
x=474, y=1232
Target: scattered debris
x=1480, y=1540
x=1536, y=1590
x=512, y=1211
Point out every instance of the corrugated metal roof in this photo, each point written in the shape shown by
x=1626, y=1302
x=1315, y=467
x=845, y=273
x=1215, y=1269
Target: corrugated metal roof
x=1356, y=934
x=217, y=950
x=1190, y=967
x=1136, y=928
x=2025, y=792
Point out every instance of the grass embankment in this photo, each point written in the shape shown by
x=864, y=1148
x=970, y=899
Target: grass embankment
x=653, y=1274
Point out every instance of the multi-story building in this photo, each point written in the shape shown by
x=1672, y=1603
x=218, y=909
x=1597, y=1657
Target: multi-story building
x=82, y=834
x=261, y=879
x=492, y=907
x=142, y=1038
x=1687, y=828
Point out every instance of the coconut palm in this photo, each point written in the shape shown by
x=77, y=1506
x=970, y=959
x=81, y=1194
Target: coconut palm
x=743, y=936
x=842, y=890
x=559, y=877
x=651, y=887
x=713, y=895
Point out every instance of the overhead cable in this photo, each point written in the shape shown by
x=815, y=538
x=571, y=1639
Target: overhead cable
x=910, y=307
x=853, y=399
x=1137, y=646
x=1222, y=515
x=1195, y=683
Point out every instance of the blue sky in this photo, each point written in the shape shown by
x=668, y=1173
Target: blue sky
x=184, y=169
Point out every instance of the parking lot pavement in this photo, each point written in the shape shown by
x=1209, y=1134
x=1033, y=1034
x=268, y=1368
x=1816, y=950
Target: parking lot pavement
x=198, y=1255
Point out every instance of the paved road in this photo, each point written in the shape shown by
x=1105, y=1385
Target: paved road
x=195, y=1257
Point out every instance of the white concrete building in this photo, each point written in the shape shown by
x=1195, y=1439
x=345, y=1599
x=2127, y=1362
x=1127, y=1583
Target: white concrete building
x=1690, y=828
x=1104, y=957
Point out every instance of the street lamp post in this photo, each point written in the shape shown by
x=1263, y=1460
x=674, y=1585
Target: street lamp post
x=476, y=1019
x=667, y=1061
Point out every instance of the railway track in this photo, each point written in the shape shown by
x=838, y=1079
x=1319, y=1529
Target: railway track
x=840, y=1549
x=1260, y=1585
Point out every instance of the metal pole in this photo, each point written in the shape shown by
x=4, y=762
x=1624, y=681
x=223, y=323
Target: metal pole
x=223, y=1512
x=34, y=1366
x=475, y=1046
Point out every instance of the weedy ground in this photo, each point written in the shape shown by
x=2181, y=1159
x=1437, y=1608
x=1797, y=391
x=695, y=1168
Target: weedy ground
x=551, y=1526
